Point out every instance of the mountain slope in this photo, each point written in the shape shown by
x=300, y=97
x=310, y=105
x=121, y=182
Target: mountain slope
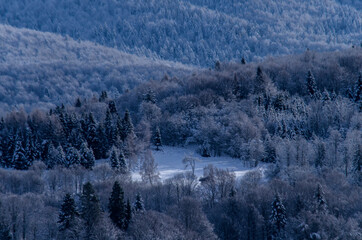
x=196, y=32
x=41, y=69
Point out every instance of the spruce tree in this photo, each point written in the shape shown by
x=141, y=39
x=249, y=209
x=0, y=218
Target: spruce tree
x=109, y=129
x=112, y=107
x=217, y=66
x=138, y=205
x=117, y=207
x=122, y=162
x=103, y=96
x=158, y=142
x=114, y=161
x=321, y=204
x=278, y=216
x=90, y=209
x=78, y=103
x=243, y=61
x=72, y=157
x=270, y=151
x=311, y=84
x=60, y=156
x=260, y=81
x=127, y=126
x=149, y=97
x=87, y=159
x=68, y=213
x=128, y=215
x=20, y=161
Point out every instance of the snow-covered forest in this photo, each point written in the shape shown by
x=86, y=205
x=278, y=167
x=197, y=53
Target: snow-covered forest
x=199, y=31
x=68, y=171
x=180, y=119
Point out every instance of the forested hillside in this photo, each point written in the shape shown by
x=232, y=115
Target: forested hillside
x=196, y=32
x=43, y=69
x=68, y=171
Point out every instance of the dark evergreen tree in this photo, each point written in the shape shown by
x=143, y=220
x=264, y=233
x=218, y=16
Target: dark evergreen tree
x=4, y=231
x=60, y=158
x=127, y=126
x=90, y=210
x=109, y=129
x=87, y=159
x=103, y=96
x=138, y=205
x=149, y=96
x=321, y=204
x=68, y=214
x=278, y=217
x=114, y=161
x=117, y=207
x=72, y=157
x=128, y=215
x=243, y=61
x=112, y=107
x=260, y=81
x=122, y=162
x=78, y=103
x=157, y=140
x=20, y=161
x=217, y=66
x=311, y=84
x=320, y=155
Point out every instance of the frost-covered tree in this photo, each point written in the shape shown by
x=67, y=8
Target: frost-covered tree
x=260, y=81
x=138, y=205
x=114, y=161
x=278, y=217
x=20, y=161
x=78, y=103
x=358, y=89
x=320, y=157
x=127, y=126
x=357, y=164
x=148, y=169
x=72, y=157
x=128, y=214
x=112, y=107
x=87, y=158
x=157, y=140
x=116, y=206
x=122, y=162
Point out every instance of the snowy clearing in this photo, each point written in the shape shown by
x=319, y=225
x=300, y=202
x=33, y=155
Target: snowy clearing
x=169, y=162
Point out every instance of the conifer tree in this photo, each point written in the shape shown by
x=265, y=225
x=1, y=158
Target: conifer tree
x=128, y=215
x=68, y=213
x=243, y=61
x=321, y=204
x=217, y=66
x=109, y=129
x=114, y=161
x=20, y=161
x=87, y=159
x=260, y=81
x=122, y=162
x=138, y=205
x=112, y=107
x=311, y=84
x=60, y=156
x=127, y=126
x=149, y=97
x=103, y=96
x=278, y=216
x=72, y=157
x=78, y=103
x=117, y=207
x=158, y=142
x=90, y=210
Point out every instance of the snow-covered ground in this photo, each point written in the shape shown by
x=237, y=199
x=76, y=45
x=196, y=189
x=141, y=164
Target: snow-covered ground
x=169, y=162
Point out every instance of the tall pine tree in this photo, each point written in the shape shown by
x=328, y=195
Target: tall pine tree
x=321, y=204
x=68, y=214
x=311, y=84
x=117, y=207
x=90, y=210
x=87, y=159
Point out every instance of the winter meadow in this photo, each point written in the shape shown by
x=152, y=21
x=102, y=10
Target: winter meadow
x=180, y=120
